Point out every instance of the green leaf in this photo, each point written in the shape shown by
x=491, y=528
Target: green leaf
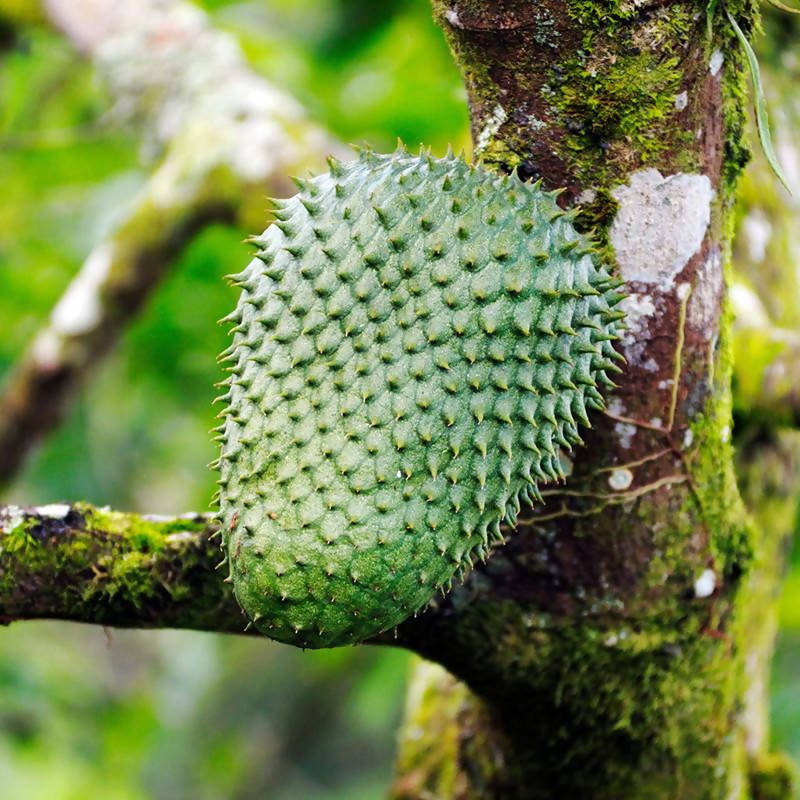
x=783, y=7
x=711, y=9
x=762, y=121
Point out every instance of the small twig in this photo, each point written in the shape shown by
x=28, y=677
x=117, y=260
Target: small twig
x=637, y=422
x=617, y=498
x=637, y=463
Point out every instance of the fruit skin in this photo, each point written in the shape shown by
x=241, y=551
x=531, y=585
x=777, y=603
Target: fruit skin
x=415, y=342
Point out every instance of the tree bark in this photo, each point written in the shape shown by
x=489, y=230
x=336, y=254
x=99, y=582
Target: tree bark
x=605, y=645
x=86, y=564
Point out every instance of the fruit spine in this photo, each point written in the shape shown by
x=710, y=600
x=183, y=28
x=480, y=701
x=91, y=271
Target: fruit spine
x=416, y=342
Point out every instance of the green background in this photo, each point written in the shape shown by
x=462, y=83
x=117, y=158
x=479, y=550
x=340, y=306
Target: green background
x=88, y=713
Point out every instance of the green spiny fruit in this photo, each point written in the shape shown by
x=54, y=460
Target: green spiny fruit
x=415, y=343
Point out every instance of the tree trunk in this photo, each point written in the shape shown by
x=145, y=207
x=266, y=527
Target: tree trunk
x=605, y=646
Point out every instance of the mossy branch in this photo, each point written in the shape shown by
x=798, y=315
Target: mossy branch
x=81, y=563
x=106, y=294
x=224, y=143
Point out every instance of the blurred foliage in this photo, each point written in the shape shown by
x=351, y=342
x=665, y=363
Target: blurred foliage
x=170, y=715
x=191, y=716
x=785, y=687
x=779, y=54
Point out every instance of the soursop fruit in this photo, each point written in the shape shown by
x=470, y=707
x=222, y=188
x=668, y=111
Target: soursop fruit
x=415, y=344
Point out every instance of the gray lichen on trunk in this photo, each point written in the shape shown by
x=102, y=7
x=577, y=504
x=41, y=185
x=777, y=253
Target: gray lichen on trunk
x=605, y=641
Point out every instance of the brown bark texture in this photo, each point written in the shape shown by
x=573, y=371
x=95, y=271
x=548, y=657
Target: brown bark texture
x=606, y=647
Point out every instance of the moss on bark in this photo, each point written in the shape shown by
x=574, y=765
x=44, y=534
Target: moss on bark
x=78, y=562
x=607, y=639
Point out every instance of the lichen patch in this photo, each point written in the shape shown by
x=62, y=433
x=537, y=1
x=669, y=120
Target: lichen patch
x=704, y=585
x=638, y=308
x=626, y=432
x=54, y=510
x=620, y=479
x=660, y=224
x=10, y=518
x=491, y=127
x=715, y=63
x=703, y=308
x=451, y=15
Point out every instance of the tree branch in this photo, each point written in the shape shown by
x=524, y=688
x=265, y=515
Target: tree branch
x=226, y=138
x=106, y=294
x=81, y=563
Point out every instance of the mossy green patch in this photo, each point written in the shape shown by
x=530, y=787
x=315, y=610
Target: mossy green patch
x=97, y=564
x=772, y=777
x=616, y=97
